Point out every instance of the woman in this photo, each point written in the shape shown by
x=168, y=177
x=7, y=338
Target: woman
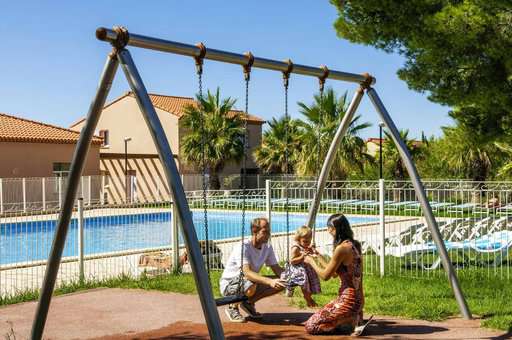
x=347, y=308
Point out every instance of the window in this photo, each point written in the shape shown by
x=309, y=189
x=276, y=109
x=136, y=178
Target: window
x=61, y=169
x=106, y=137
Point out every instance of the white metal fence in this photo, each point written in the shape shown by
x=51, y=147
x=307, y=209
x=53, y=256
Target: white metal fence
x=475, y=220
x=47, y=193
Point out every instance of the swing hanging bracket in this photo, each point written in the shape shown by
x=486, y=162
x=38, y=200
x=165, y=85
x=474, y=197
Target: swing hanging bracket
x=368, y=82
x=121, y=40
x=200, y=57
x=287, y=72
x=247, y=67
x=323, y=77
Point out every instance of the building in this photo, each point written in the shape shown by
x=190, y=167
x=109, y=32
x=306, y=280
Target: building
x=33, y=149
x=129, y=148
x=34, y=157
x=373, y=145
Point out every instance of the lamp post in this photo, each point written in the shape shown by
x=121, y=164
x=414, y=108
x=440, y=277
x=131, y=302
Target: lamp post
x=382, y=221
x=126, y=140
x=381, y=125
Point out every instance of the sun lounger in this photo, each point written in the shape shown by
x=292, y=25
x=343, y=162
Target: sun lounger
x=372, y=206
x=462, y=208
x=505, y=210
x=398, y=205
x=338, y=204
x=353, y=206
x=436, y=206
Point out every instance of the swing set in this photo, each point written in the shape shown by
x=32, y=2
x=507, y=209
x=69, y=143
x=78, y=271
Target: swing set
x=120, y=38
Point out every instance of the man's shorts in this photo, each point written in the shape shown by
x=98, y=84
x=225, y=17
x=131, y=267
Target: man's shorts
x=234, y=284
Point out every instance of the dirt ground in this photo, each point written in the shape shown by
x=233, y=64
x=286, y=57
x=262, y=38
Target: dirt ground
x=109, y=314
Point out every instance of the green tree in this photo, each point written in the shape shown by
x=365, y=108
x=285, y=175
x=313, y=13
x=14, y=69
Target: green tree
x=432, y=164
x=323, y=118
x=392, y=161
x=223, y=135
x=271, y=155
x=467, y=153
x=505, y=170
x=456, y=51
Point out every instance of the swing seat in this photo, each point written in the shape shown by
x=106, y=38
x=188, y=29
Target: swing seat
x=228, y=300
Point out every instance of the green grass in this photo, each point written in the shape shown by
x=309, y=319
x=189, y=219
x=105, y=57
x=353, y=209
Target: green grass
x=431, y=298
x=417, y=298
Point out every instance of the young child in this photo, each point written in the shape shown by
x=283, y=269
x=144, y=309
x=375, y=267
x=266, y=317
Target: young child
x=299, y=273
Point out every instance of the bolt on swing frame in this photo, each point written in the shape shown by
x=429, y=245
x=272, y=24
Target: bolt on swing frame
x=120, y=38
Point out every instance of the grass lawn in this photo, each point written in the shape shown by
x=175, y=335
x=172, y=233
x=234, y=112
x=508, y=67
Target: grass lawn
x=416, y=298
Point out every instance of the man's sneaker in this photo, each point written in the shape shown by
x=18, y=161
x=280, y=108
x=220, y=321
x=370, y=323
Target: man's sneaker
x=234, y=314
x=250, y=310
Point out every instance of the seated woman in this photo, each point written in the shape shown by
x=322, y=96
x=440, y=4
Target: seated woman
x=347, y=309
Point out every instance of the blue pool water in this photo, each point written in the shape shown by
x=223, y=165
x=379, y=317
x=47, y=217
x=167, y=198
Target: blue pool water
x=31, y=241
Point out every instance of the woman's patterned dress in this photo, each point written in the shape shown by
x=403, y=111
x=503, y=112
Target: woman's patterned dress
x=347, y=308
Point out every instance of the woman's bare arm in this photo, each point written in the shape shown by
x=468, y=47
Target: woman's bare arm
x=340, y=254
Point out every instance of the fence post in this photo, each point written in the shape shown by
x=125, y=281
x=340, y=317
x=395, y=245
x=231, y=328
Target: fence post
x=24, y=185
x=82, y=191
x=268, y=201
x=89, y=191
x=1, y=196
x=175, y=240
x=102, y=190
x=43, y=188
x=382, y=227
x=59, y=183
x=80, y=221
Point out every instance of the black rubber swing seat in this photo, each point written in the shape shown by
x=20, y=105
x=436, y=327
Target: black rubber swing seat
x=228, y=300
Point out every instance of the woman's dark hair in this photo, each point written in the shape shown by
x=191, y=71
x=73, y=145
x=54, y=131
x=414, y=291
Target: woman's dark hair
x=343, y=230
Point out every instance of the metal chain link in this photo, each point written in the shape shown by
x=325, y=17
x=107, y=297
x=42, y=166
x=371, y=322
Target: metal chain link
x=319, y=147
x=203, y=164
x=243, y=180
x=286, y=162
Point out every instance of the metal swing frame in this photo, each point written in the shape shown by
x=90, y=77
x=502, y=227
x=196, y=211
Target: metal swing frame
x=119, y=38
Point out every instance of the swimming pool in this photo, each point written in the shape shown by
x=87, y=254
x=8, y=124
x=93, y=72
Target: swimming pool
x=31, y=241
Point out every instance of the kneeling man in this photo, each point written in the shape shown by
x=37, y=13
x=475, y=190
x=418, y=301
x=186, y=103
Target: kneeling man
x=256, y=252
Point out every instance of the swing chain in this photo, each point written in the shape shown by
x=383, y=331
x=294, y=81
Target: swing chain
x=321, y=85
x=286, y=78
x=247, y=77
x=199, y=69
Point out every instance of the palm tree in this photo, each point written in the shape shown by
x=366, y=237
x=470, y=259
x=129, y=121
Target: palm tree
x=271, y=155
x=506, y=168
x=469, y=153
x=392, y=158
x=317, y=133
x=222, y=136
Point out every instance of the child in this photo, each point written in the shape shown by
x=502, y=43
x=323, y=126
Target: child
x=299, y=273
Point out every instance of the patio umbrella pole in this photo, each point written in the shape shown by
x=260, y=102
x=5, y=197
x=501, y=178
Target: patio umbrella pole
x=77, y=165
x=422, y=198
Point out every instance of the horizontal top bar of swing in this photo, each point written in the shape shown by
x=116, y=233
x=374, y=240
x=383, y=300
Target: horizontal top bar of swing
x=168, y=46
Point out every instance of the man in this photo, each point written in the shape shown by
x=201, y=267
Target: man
x=256, y=252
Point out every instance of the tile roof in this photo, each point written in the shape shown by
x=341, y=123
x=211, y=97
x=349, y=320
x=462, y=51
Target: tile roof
x=16, y=129
x=174, y=105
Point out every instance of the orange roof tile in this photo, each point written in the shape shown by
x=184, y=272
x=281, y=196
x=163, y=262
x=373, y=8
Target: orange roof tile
x=175, y=106
x=16, y=129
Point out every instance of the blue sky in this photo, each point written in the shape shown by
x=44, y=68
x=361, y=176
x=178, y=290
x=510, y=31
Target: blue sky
x=51, y=61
